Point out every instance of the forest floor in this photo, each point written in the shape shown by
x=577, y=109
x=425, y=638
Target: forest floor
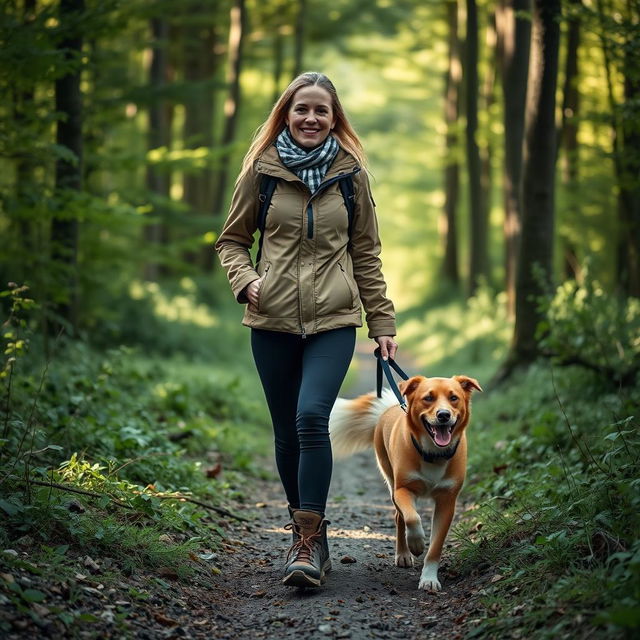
x=365, y=596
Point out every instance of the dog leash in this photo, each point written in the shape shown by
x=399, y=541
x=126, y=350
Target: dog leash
x=386, y=366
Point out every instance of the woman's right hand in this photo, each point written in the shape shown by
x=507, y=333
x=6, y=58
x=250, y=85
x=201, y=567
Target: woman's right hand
x=252, y=291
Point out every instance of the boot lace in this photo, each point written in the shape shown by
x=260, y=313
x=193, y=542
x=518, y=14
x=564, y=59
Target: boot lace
x=304, y=546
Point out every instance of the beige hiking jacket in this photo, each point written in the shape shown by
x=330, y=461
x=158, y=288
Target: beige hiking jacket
x=314, y=279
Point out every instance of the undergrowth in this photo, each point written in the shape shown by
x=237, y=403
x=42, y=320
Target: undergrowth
x=119, y=452
x=554, y=460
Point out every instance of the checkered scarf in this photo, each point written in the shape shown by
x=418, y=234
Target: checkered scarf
x=311, y=165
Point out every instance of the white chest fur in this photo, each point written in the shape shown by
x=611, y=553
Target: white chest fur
x=431, y=475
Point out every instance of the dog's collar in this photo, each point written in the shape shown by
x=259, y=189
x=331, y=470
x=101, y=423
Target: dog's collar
x=446, y=454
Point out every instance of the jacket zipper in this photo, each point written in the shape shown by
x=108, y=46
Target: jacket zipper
x=322, y=187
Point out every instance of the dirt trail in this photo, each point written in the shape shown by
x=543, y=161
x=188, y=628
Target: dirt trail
x=366, y=597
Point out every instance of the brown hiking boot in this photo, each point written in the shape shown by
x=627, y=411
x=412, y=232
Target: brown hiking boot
x=308, y=559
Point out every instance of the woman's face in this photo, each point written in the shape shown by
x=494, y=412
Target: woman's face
x=310, y=117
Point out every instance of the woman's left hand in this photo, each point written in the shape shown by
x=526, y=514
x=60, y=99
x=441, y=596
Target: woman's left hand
x=388, y=347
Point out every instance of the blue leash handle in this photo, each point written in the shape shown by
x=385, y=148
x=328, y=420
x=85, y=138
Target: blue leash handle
x=386, y=366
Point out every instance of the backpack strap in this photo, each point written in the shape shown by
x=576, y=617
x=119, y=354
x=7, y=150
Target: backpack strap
x=268, y=185
x=349, y=197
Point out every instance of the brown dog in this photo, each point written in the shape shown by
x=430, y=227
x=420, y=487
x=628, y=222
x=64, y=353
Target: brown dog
x=422, y=452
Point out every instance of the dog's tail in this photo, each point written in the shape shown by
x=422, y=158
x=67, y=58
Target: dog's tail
x=353, y=422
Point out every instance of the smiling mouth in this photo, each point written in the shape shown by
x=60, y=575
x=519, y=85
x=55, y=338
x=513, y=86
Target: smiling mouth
x=310, y=132
x=440, y=433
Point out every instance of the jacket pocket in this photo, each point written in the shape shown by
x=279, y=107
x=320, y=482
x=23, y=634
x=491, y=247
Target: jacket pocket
x=350, y=285
x=265, y=278
x=334, y=295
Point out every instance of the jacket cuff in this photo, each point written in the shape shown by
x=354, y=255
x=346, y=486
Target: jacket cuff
x=241, y=283
x=382, y=328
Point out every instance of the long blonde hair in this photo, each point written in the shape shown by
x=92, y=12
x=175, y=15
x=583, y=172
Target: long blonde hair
x=276, y=122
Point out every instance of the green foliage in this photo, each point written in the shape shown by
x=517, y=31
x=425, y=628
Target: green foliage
x=558, y=515
x=597, y=329
x=131, y=434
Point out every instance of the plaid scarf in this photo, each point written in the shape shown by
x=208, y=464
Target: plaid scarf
x=311, y=165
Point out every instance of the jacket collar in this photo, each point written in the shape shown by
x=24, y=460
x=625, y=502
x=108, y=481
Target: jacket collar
x=269, y=162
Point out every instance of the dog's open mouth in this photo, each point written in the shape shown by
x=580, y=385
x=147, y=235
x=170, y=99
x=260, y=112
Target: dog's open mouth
x=440, y=433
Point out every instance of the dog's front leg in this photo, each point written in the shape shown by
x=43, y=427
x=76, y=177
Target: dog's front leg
x=442, y=516
x=405, y=503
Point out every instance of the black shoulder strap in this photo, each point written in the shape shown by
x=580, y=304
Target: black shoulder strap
x=349, y=197
x=267, y=187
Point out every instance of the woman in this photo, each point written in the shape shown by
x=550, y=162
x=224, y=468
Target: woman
x=303, y=296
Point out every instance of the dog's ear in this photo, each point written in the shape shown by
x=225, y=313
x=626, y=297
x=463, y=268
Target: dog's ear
x=468, y=384
x=407, y=387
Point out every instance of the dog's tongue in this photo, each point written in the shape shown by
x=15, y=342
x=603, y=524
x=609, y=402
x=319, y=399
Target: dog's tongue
x=442, y=437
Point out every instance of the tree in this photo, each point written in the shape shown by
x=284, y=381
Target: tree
x=68, y=172
x=199, y=63
x=452, y=165
x=159, y=134
x=479, y=263
x=535, y=259
x=514, y=33
x=568, y=134
x=232, y=103
x=299, y=35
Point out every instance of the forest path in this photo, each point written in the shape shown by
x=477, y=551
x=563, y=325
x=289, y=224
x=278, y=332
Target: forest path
x=367, y=597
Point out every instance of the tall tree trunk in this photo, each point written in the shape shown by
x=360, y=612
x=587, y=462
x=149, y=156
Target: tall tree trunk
x=68, y=172
x=514, y=33
x=159, y=134
x=630, y=188
x=199, y=64
x=298, y=53
x=486, y=153
x=232, y=103
x=278, y=61
x=535, y=260
x=25, y=189
x=624, y=154
x=448, y=224
x=478, y=264
x=568, y=138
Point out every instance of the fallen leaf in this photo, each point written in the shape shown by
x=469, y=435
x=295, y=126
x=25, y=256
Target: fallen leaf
x=214, y=472
x=347, y=560
x=164, y=620
x=259, y=594
x=497, y=578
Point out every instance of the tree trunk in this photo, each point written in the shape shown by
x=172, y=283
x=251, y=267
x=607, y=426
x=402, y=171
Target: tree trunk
x=278, y=61
x=159, y=134
x=486, y=153
x=199, y=64
x=478, y=255
x=624, y=153
x=630, y=187
x=232, y=103
x=68, y=173
x=514, y=33
x=25, y=188
x=568, y=139
x=452, y=167
x=298, y=54
x=535, y=260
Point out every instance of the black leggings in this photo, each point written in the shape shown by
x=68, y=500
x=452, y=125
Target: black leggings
x=301, y=379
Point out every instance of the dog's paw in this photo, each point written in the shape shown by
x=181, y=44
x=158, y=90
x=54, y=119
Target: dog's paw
x=429, y=577
x=429, y=584
x=415, y=539
x=404, y=560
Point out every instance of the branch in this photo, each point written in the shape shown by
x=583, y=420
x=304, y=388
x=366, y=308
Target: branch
x=177, y=496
